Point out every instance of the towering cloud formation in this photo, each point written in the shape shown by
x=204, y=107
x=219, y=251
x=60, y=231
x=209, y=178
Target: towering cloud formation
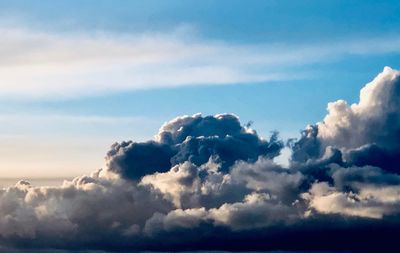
x=193, y=139
x=366, y=133
x=211, y=183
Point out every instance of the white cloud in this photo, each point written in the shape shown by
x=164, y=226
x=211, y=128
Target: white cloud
x=378, y=102
x=37, y=64
x=371, y=201
x=67, y=118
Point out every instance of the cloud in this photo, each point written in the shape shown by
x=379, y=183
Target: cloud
x=373, y=120
x=357, y=191
x=211, y=183
x=369, y=202
x=67, y=64
x=75, y=64
x=366, y=132
x=195, y=139
x=65, y=118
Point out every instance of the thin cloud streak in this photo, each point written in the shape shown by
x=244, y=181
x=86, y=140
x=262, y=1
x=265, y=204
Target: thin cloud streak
x=36, y=64
x=62, y=118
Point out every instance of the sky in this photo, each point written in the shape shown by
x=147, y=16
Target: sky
x=207, y=126
x=77, y=77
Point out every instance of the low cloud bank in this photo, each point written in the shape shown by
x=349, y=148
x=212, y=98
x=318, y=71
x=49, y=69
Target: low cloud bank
x=210, y=183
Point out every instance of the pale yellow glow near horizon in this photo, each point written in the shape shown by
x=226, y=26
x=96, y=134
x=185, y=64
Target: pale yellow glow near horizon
x=40, y=145
x=50, y=158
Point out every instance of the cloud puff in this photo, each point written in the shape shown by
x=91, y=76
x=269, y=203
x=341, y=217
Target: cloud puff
x=194, y=139
x=369, y=202
x=135, y=160
x=211, y=183
x=366, y=132
x=375, y=119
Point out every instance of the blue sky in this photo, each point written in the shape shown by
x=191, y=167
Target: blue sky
x=75, y=77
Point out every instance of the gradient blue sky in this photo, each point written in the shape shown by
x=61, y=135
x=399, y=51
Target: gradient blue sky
x=77, y=76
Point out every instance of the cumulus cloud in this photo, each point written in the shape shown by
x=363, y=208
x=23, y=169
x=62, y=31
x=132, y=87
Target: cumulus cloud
x=374, y=119
x=366, y=132
x=211, y=183
x=194, y=139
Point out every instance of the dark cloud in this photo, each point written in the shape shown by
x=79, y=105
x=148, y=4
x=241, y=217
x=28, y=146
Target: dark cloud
x=194, y=139
x=308, y=147
x=372, y=154
x=349, y=178
x=210, y=183
x=136, y=159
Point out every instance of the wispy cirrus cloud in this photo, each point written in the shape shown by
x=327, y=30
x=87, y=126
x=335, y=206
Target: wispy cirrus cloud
x=65, y=118
x=39, y=64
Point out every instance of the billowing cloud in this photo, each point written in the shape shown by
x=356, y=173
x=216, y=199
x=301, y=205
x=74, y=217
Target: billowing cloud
x=211, y=183
x=366, y=132
x=195, y=139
